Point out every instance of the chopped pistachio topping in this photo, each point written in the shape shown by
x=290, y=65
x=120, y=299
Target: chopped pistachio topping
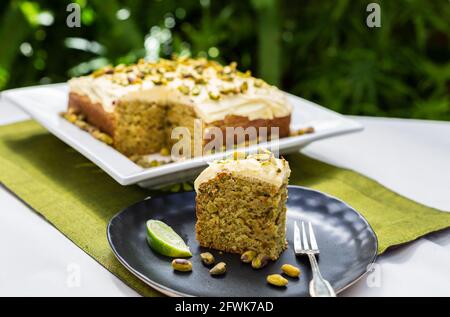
x=184, y=89
x=195, y=91
x=244, y=86
x=259, y=83
x=213, y=95
x=185, y=74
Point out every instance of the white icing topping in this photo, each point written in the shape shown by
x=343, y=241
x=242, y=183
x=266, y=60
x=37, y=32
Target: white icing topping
x=258, y=101
x=263, y=167
x=102, y=90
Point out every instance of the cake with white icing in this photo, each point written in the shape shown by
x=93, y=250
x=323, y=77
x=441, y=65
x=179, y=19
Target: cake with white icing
x=241, y=205
x=137, y=106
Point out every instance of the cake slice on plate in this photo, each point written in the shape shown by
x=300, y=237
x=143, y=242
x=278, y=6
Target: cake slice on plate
x=241, y=205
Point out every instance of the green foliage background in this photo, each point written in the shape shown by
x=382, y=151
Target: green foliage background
x=320, y=50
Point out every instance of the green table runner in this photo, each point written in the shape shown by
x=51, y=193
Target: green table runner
x=78, y=198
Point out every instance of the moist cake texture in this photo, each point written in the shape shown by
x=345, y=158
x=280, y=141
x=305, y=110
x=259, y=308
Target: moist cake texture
x=139, y=105
x=241, y=205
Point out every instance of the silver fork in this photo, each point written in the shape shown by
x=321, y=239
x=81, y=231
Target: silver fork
x=318, y=287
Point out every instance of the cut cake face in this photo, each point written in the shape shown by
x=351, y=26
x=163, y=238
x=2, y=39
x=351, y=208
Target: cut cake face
x=241, y=205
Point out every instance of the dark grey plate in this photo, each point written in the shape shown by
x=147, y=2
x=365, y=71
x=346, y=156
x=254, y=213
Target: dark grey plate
x=347, y=245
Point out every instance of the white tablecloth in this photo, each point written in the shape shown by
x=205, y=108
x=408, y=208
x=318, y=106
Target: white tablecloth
x=410, y=157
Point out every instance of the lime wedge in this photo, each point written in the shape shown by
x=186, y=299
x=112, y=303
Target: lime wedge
x=164, y=240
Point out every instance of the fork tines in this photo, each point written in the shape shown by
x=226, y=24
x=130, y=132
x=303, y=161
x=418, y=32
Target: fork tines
x=303, y=245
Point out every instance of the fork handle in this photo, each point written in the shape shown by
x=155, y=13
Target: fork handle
x=319, y=287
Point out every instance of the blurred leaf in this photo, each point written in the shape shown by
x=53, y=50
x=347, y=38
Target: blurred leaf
x=4, y=76
x=30, y=10
x=87, y=67
x=431, y=109
x=87, y=16
x=321, y=50
x=13, y=31
x=269, y=51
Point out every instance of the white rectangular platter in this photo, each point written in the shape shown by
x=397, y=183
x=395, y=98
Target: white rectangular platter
x=45, y=103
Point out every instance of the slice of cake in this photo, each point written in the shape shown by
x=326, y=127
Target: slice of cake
x=241, y=205
x=138, y=105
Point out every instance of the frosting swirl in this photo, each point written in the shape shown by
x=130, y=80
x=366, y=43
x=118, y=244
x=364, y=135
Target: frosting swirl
x=263, y=167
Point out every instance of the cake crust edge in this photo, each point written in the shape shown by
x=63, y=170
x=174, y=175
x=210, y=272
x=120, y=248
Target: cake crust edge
x=94, y=112
x=106, y=121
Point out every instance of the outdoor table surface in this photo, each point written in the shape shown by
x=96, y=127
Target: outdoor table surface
x=410, y=157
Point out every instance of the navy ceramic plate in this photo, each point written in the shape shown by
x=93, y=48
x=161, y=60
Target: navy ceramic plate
x=347, y=245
